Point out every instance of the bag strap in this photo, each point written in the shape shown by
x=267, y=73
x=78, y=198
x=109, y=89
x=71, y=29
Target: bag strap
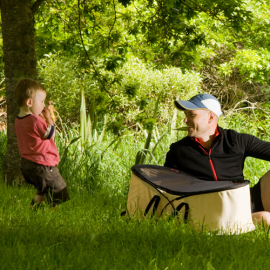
x=171, y=202
x=155, y=200
x=179, y=207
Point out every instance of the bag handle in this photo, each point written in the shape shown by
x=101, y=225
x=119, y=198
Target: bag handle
x=180, y=206
x=155, y=200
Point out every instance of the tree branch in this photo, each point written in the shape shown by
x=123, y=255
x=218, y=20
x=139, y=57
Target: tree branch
x=112, y=24
x=36, y=5
x=91, y=62
x=205, y=10
x=201, y=9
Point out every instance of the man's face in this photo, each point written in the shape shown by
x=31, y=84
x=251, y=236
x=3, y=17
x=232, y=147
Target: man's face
x=197, y=122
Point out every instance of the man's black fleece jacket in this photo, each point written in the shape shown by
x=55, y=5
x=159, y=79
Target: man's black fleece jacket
x=224, y=161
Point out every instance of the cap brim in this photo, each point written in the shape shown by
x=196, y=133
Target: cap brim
x=185, y=105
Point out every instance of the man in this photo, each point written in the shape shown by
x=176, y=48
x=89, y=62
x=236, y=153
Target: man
x=212, y=153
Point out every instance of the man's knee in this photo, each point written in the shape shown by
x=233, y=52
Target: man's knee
x=261, y=218
x=265, y=191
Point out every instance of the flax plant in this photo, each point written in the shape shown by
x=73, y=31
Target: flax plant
x=148, y=148
x=88, y=123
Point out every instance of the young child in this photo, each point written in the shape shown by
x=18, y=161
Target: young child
x=36, y=145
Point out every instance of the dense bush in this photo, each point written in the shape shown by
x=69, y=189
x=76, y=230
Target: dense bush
x=130, y=100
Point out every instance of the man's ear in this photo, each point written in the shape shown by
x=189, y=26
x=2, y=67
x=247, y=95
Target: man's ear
x=212, y=117
x=29, y=102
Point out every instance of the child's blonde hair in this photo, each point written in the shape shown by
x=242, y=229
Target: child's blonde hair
x=27, y=88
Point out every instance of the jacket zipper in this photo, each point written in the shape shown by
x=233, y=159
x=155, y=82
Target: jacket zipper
x=211, y=162
x=212, y=165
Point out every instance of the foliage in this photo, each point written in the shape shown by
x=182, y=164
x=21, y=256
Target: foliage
x=173, y=31
x=256, y=34
x=103, y=36
x=212, y=37
x=230, y=86
x=254, y=65
x=64, y=81
x=155, y=30
x=235, y=67
x=87, y=30
x=141, y=155
x=93, y=40
x=169, y=83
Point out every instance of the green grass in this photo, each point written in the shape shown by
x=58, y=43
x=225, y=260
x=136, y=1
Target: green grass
x=88, y=232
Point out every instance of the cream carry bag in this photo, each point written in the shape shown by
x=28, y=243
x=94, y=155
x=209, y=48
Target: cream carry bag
x=210, y=205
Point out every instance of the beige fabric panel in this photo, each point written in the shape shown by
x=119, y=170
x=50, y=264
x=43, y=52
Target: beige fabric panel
x=227, y=211
x=140, y=194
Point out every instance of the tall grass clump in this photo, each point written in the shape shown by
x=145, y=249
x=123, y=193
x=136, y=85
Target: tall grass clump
x=82, y=162
x=95, y=167
x=141, y=155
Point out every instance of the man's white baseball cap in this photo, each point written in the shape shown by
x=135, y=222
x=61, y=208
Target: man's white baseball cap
x=201, y=101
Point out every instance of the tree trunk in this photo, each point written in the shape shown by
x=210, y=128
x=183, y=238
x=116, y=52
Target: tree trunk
x=20, y=61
